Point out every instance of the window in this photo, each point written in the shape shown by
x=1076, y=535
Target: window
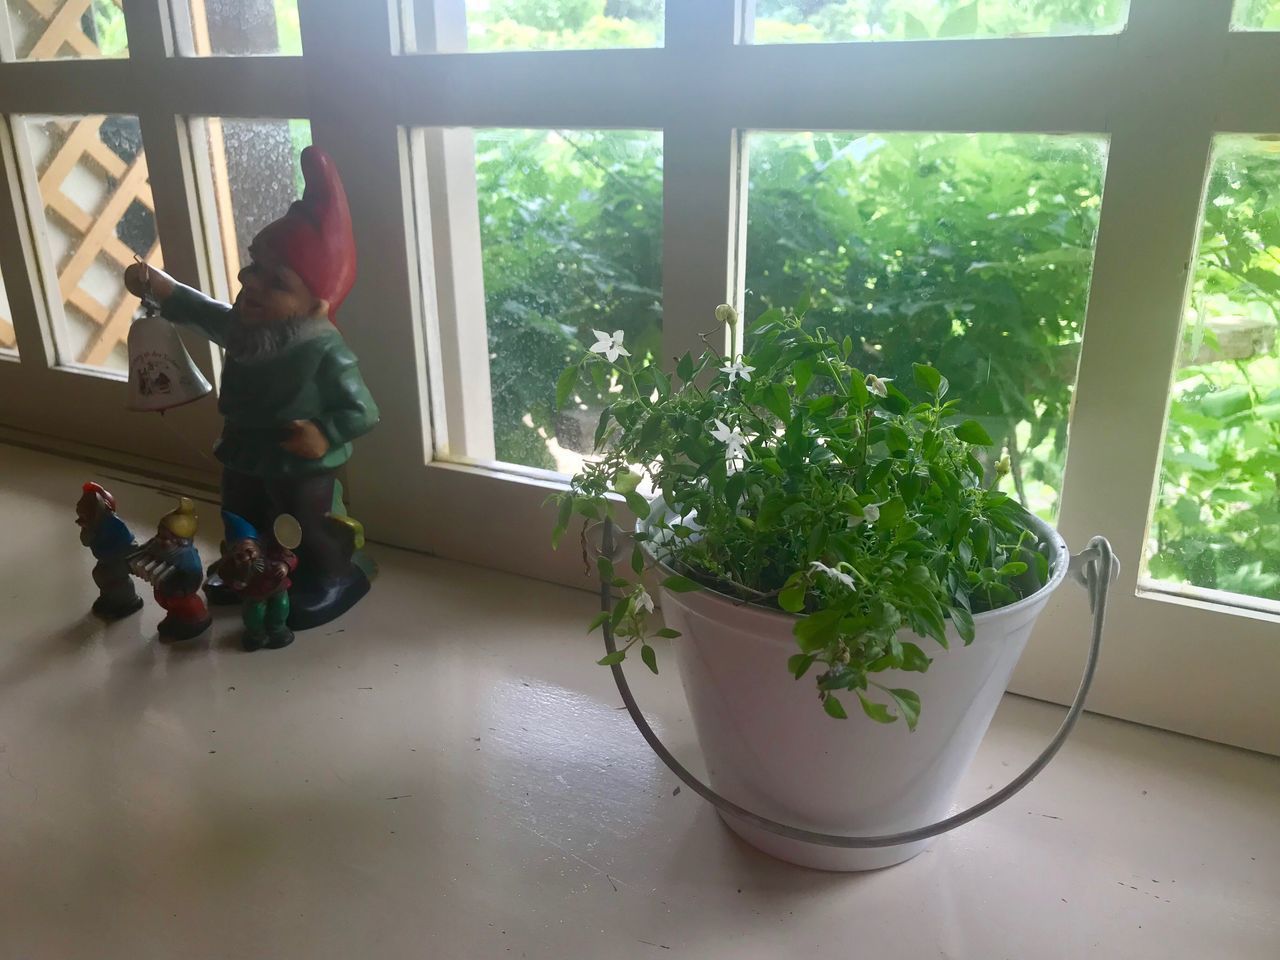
x=250, y=178
x=570, y=242
x=497, y=25
x=825, y=21
x=58, y=29
x=1256, y=15
x=549, y=168
x=8, y=340
x=91, y=178
x=968, y=251
x=237, y=28
x=1216, y=523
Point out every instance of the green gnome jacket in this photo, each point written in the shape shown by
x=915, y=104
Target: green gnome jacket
x=316, y=377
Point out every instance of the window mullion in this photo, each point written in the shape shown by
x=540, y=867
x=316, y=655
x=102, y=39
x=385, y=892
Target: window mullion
x=702, y=24
x=699, y=230
x=18, y=264
x=148, y=28
x=352, y=119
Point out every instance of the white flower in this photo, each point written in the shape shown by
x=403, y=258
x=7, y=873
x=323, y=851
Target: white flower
x=877, y=386
x=735, y=443
x=737, y=369
x=871, y=512
x=641, y=601
x=839, y=576
x=726, y=314
x=610, y=345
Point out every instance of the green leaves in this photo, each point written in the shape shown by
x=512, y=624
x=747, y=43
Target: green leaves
x=971, y=431
x=876, y=711
x=818, y=629
x=565, y=385
x=679, y=584
x=791, y=597
x=930, y=380
x=798, y=664
x=862, y=515
x=908, y=706
x=777, y=401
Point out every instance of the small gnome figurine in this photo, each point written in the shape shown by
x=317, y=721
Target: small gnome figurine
x=170, y=562
x=292, y=397
x=111, y=543
x=258, y=570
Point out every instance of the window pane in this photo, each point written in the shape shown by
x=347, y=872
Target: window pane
x=570, y=230
x=972, y=252
x=824, y=21
x=1256, y=15
x=55, y=29
x=253, y=175
x=98, y=213
x=8, y=342
x=558, y=24
x=239, y=28
x=1216, y=523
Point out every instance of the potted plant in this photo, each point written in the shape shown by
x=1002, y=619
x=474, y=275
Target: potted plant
x=813, y=522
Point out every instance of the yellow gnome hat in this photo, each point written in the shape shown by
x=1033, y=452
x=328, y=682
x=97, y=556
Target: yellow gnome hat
x=182, y=521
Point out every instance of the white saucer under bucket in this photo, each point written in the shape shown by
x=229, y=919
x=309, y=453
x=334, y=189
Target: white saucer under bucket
x=769, y=746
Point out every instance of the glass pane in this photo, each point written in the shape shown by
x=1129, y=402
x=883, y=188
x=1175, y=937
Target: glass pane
x=8, y=342
x=825, y=21
x=972, y=252
x=98, y=214
x=1216, y=523
x=570, y=231
x=57, y=29
x=254, y=175
x=1256, y=15
x=560, y=24
x=239, y=28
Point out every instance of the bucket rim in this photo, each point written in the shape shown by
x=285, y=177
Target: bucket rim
x=1059, y=561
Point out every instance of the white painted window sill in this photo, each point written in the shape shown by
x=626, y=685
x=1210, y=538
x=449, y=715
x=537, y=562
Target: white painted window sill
x=445, y=773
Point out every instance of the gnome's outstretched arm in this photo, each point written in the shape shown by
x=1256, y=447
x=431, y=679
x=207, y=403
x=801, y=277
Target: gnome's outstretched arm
x=349, y=410
x=192, y=308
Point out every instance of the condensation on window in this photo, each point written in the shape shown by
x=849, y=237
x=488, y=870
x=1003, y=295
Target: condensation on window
x=242, y=28
x=254, y=175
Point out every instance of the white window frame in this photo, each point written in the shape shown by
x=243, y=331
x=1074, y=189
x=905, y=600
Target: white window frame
x=1160, y=91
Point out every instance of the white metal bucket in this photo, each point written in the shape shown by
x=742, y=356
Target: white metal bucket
x=770, y=747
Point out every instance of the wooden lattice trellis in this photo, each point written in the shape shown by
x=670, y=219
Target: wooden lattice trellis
x=94, y=235
x=58, y=31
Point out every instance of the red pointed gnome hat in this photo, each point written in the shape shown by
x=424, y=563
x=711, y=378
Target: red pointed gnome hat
x=314, y=237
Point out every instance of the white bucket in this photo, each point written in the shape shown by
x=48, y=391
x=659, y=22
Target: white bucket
x=769, y=746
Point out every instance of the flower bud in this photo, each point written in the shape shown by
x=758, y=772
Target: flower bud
x=726, y=314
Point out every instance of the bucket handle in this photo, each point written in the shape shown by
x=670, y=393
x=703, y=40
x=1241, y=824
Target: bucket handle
x=1095, y=567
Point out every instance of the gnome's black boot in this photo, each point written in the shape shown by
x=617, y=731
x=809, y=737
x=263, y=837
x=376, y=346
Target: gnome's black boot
x=314, y=602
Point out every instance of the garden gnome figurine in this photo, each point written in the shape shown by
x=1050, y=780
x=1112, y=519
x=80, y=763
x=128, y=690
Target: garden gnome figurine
x=258, y=570
x=170, y=562
x=111, y=543
x=292, y=397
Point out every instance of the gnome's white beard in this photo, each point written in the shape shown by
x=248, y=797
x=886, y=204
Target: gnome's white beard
x=255, y=342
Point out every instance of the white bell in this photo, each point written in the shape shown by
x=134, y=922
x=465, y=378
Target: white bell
x=161, y=372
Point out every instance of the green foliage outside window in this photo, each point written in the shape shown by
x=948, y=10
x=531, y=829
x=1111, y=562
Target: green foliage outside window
x=571, y=247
